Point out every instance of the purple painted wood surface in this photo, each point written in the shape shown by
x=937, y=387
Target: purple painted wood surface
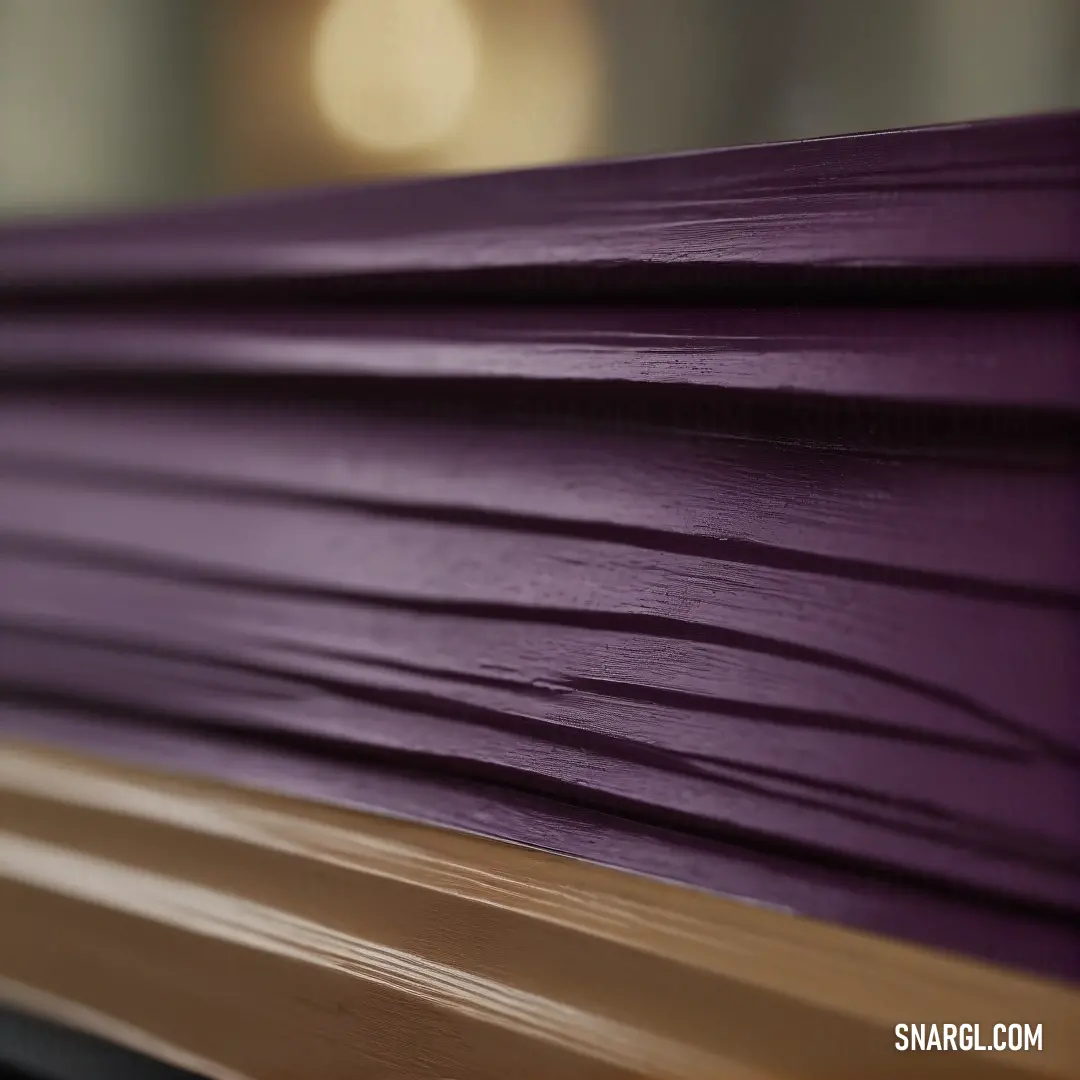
x=995, y=193
x=858, y=659
x=1026, y=359
x=528, y=570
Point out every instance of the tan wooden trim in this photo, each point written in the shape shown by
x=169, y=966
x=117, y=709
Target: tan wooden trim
x=249, y=935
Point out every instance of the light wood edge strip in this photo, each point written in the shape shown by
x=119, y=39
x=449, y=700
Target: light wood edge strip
x=608, y=973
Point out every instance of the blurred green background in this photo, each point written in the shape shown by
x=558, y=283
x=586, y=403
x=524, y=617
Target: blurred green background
x=125, y=103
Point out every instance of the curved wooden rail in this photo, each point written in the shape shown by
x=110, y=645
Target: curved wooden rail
x=248, y=935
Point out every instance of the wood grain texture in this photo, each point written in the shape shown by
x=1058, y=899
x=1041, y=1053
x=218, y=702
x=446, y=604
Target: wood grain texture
x=255, y=936
x=999, y=193
x=842, y=683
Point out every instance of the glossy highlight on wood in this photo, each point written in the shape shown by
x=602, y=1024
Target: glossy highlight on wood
x=255, y=936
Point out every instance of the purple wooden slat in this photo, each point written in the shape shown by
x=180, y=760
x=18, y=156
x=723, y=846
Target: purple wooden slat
x=767, y=712
x=943, y=524
x=872, y=625
x=997, y=193
x=944, y=358
x=949, y=647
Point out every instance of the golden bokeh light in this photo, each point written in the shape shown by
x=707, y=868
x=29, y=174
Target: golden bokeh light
x=395, y=76
x=541, y=90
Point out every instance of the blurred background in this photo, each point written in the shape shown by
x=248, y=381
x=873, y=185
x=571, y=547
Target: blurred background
x=108, y=104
